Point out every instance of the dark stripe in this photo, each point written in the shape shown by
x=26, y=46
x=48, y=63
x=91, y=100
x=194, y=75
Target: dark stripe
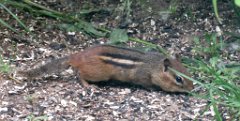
x=128, y=66
x=120, y=56
x=124, y=48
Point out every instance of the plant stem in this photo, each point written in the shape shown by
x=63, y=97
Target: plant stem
x=41, y=7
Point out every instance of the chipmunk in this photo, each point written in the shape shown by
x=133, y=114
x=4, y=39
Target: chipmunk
x=107, y=62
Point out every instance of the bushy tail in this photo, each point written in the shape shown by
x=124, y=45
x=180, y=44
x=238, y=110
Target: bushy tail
x=54, y=66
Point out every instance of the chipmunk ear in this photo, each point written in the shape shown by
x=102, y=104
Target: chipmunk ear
x=166, y=64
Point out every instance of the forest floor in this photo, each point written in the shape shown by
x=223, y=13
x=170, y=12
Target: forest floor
x=62, y=97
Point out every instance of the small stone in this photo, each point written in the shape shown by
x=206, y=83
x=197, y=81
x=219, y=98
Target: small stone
x=114, y=107
x=125, y=91
x=219, y=31
x=2, y=110
x=64, y=103
x=90, y=118
x=73, y=103
x=152, y=22
x=71, y=33
x=115, y=113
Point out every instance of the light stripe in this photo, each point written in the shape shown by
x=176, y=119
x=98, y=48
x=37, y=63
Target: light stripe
x=121, y=61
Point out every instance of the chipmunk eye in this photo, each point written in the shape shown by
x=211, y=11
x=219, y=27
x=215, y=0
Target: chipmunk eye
x=179, y=79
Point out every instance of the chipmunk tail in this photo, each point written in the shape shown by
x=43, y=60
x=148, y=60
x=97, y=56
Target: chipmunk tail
x=54, y=66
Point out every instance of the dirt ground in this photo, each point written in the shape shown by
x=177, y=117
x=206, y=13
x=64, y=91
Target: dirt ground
x=62, y=98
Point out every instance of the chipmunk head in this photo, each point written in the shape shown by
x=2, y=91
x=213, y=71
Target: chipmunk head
x=170, y=81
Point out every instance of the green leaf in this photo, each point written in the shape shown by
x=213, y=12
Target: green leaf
x=5, y=68
x=7, y=25
x=90, y=29
x=118, y=36
x=15, y=17
x=82, y=26
x=215, y=109
x=214, y=2
x=31, y=117
x=237, y=2
x=214, y=61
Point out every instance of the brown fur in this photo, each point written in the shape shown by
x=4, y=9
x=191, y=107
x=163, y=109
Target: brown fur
x=106, y=62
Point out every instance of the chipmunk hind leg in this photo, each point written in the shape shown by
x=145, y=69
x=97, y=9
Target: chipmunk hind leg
x=79, y=78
